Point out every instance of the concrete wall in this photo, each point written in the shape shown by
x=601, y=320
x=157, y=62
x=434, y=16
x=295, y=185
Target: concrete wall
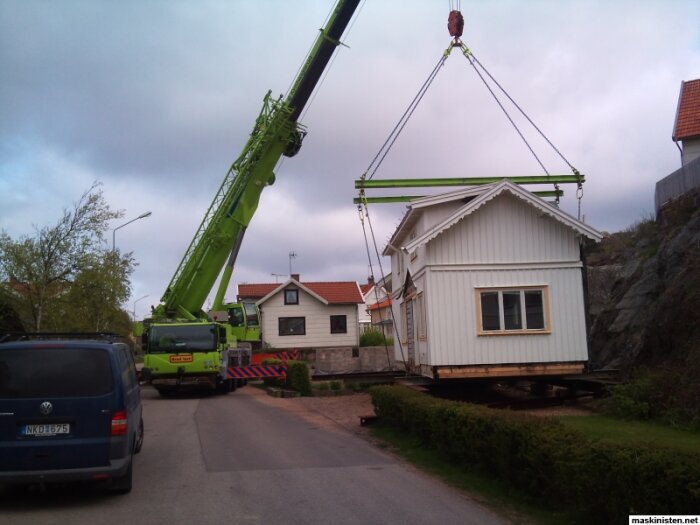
x=677, y=184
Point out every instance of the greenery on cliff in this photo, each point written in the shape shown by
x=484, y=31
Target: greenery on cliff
x=645, y=314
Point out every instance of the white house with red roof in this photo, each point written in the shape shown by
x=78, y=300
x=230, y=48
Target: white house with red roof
x=686, y=135
x=488, y=282
x=686, y=128
x=299, y=314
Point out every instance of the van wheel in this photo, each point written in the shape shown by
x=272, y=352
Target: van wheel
x=122, y=484
x=138, y=443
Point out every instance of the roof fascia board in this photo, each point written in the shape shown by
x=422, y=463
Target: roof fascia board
x=490, y=194
x=287, y=283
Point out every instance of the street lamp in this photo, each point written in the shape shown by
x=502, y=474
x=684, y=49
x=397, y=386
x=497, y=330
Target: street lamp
x=136, y=301
x=114, y=231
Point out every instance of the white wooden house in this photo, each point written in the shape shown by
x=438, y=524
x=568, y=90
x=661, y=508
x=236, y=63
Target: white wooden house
x=488, y=282
x=308, y=314
x=374, y=312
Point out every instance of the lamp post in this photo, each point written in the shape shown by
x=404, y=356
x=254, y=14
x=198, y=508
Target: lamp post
x=136, y=301
x=114, y=231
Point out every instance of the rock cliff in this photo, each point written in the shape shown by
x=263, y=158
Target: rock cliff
x=644, y=291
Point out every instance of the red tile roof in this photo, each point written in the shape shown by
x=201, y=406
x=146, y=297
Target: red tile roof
x=342, y=292
x=364, y=288
x=377, y=306
x=255, y=291
x=688, y=114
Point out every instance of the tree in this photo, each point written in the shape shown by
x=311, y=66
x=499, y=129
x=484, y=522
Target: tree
x=92, y=302
x=39, y=273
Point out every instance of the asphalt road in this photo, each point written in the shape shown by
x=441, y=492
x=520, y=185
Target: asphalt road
x=240, y=459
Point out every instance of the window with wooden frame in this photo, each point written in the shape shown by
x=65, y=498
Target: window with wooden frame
x=339, y=324
x=403, y=336
x=292, y=326
x=291, y=296
x=510, y=311
x=420, y=317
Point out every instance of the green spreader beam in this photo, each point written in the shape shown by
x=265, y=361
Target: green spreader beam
x=363, y=184
x=409, y=198
x=467, y=181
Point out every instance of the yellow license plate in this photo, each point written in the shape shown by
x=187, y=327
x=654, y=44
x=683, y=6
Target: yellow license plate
x=181, y=358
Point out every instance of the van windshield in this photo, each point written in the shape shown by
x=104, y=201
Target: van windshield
x=183, y=338
x=54, y=372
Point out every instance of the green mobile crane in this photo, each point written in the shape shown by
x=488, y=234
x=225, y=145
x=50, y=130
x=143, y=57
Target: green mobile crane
x=185, y=346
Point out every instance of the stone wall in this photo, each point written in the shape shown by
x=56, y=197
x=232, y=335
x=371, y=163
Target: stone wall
x=349, y=360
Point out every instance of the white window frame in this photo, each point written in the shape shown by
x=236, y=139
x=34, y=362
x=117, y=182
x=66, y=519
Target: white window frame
x=544, y=289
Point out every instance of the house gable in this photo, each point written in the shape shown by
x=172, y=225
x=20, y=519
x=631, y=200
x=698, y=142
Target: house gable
x=540, y=207
x=504, y=231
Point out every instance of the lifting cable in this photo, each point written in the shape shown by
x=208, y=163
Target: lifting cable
x=455, y=27
x=384, y=150
x=381, y=270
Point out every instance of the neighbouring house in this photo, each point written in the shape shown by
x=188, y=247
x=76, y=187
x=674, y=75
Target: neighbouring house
x=686, y=130
x=299, y=314
x=488, y=282
x=363, y=317
x=374, y=313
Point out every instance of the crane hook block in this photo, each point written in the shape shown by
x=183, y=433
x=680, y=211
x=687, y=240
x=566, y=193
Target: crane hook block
x=455, y=24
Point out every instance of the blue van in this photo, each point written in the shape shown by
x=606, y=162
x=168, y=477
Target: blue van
x=70, y=410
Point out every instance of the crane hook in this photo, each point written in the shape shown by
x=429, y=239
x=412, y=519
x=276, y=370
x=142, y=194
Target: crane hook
x=455, y=24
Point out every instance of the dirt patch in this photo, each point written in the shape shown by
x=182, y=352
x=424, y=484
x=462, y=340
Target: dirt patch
x=332, y=411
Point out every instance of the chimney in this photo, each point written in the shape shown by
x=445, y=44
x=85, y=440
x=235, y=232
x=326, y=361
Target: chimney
x=370, y=280
x=295, y=276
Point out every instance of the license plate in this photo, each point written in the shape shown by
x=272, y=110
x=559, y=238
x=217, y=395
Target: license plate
x=187, y=358
x=54, y=429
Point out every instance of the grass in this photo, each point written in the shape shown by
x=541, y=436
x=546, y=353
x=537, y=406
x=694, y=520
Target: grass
x=488, y=491
x=635, y=432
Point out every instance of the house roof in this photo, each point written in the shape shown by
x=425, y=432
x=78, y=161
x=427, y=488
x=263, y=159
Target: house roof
x=475, y=199
x=687, y=123
x=338, y=292
x=364, y=288
x=376, y=306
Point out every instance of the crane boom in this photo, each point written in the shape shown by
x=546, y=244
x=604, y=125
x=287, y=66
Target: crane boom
x=183, y=347
x=276, y=133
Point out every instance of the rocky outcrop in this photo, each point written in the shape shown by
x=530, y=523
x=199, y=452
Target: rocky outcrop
x=644, y=291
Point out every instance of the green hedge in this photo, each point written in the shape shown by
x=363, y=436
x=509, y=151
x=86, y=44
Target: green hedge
x=298, y=377
x=543, y=458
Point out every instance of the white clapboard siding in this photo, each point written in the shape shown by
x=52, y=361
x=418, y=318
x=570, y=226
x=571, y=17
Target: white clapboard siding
x=506, y=242
x=505, y=230
x=452, y=319
x=318, y=325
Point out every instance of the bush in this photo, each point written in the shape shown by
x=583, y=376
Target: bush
x=547, y=460
x=374, y=337
x=667, y=395
x=298, y=377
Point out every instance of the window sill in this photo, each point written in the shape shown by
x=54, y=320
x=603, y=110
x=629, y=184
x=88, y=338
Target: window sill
x=515, y=332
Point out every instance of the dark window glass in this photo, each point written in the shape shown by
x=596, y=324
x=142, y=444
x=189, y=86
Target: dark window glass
x=251, y=313
x=534, y=310
x=490, y=319
x=291, y=296
x=183, y=338
x=55, y=372
x=512, y=317
x=292, y=325
x=339, y=324
x=236, y=316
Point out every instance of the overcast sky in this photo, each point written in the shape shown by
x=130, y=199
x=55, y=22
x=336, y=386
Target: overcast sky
x=156, y=98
